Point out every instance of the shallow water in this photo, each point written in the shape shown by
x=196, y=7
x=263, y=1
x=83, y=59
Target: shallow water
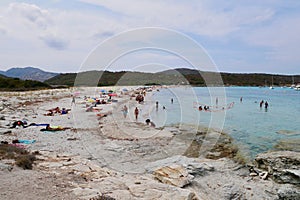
x=255, y=129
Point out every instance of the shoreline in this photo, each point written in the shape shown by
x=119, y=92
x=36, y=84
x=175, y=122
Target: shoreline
x=118, y=157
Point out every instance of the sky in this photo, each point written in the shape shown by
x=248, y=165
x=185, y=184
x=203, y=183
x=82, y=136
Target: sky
x=249, y=36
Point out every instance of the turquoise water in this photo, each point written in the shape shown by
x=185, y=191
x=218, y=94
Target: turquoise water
x=255, y=129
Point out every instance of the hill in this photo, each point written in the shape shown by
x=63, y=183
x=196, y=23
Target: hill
x=15, y=84
x=176, y=76
x=28, y=73
x=238, y=79
x=106, y=78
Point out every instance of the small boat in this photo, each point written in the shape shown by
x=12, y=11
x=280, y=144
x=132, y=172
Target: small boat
x=297, y=87
x=271, y=87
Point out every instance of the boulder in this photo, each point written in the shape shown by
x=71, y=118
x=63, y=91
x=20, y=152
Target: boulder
x=175, y=175
x=282, y=166
x=232, y=192
x=288, y=193
x=194, y=166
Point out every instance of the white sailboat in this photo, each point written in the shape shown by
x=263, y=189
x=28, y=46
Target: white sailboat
x=293, y=84
x=271, y=87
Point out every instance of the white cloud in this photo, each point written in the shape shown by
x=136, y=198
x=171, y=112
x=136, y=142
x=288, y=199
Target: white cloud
x=69, y=33
x=31, y=13
x=180, y=15
x=197, y=17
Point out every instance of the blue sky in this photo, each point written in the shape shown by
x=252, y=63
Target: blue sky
x=239, y=36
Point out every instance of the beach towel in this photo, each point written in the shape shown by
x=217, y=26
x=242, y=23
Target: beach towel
x=27, y=141
x=34, y=124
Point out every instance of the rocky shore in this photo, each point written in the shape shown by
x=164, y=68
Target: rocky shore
x=106, y=156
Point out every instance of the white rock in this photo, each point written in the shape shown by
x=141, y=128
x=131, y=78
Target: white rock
x=175, y=175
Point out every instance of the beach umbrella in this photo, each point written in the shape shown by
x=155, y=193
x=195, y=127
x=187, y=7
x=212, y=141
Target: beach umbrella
x=125, y=90
x=103, y=91
x=110, y=91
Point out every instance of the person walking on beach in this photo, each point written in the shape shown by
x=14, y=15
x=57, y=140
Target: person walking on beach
x=136, y=113
x=125, y=111
x=73, y=100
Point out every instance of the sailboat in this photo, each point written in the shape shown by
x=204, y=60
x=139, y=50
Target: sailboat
x=293, y=84
x=271, y=87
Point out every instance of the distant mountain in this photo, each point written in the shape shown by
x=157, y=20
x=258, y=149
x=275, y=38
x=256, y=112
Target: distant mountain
x=28, y=73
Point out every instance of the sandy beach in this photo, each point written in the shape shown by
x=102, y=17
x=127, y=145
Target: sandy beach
x=104, y=155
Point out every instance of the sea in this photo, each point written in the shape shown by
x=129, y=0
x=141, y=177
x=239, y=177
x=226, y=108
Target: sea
x=235, y=111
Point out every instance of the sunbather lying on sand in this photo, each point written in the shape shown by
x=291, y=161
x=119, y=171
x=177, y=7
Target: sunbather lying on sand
x=54, y=128
x=21, y=123
x=63, y=111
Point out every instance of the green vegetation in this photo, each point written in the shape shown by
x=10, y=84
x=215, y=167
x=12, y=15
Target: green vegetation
x=106, y=78
x=170, y=77
x=15, y=84
x=22, y=158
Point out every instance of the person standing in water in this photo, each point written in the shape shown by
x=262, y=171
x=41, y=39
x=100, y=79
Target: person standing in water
x=217, y=100
x=156, y=106
x=200, y=108
x=266, y=105
x=241, y=99
x=136, y=113
x=261, y=103
x=172, y=101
